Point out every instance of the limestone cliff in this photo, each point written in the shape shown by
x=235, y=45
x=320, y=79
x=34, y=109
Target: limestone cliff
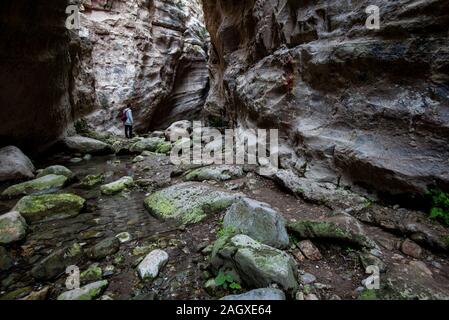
x=358, y=106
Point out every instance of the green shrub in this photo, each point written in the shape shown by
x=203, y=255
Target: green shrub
x=440, y=206
x=226, y=280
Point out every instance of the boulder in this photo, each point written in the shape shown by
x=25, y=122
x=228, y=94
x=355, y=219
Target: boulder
x=117, y=186
x=104, y=248
x=188, y=202
x=80, y=144
x=38, y=295
x=257, y=265
x=88, y=292
x=340, y=227
x=150, y=267
x=93, y=273
x=309, y=250
x=411, y=249
x=258, y=221
x=147, y=144
x=56, y=170
x=56, y=263
x=15, y=165
x=12, y=227
x=216, y=173
x=50, y=207
x=46, y=184
x=258, y=294
x=91, y=181
x=178, y=129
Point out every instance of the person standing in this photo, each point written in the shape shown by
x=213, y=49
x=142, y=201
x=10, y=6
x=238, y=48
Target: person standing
x=127, y=118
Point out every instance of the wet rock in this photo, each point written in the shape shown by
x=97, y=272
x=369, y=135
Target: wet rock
x=147, y=144
x=178, y=129
x=258, y=265
x=258, y=294
x=216, y=173
x=117, y=186
x=93, y=273
x=76, y=160
x=327, y=194
x=157, y=134
x=39, y=295
x=151, y=265
x=6, y=262
x=15, y=165
x=258, y=221
x=56, y=263
x=47, y=184
x=88, y=292
x=91, y=181
x=85, y=145
x=188, y=202
x=411, y=249
x=104, y=248
x=50, y=207
x=56, y=170
x=340, y=227
x=13, y=227
x=123, y=237
x=309, y=250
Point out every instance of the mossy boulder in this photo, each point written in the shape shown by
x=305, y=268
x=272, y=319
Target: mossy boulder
x=56, y=263
x=12, y=227
x=257, y=265
x=46, y=184
x=92, y=181
x=49, y=207
x=148, y=144
x=342, y=228
x=258, y=221
x=93, y=273
x=164, y=148
x=188, y=202
x=117, y=186
x=217, y=173
x=56, y=170
x=88, y=292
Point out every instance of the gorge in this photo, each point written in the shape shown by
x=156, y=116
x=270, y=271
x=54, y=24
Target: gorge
x=363, y=177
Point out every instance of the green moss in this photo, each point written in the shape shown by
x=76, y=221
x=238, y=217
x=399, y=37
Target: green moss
x=164, y=148
x=91, y=181
x=160, y=206
x=368, y=294
x=44, y=183
x=117, y=186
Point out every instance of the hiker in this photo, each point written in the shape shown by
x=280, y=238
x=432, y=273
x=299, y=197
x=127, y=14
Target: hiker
x=127, y=118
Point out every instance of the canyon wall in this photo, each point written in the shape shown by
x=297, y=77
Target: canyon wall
x=356, y=106
x=35, y=68
x=151, y=54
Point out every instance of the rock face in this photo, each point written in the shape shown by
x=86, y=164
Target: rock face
x=258, y=221
x=188, y=202
x=12, y=227
x=359, y=106
x=258, y=265
x=152, y=54
x=14, y=165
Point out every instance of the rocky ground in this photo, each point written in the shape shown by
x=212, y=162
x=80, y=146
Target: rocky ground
x=139, y=227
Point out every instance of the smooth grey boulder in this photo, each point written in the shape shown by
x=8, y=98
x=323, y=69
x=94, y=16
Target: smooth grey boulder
x=216, y=173
x=80, y=144
x=151, y=265
x=179, y=129
x=258, y=294
x=15, y=165
x=88, y=292
x=258, y=221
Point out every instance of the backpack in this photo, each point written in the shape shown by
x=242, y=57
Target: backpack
x=124, y=115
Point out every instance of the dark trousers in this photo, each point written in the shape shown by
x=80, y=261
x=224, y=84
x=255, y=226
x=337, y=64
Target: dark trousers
x=128, y=131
